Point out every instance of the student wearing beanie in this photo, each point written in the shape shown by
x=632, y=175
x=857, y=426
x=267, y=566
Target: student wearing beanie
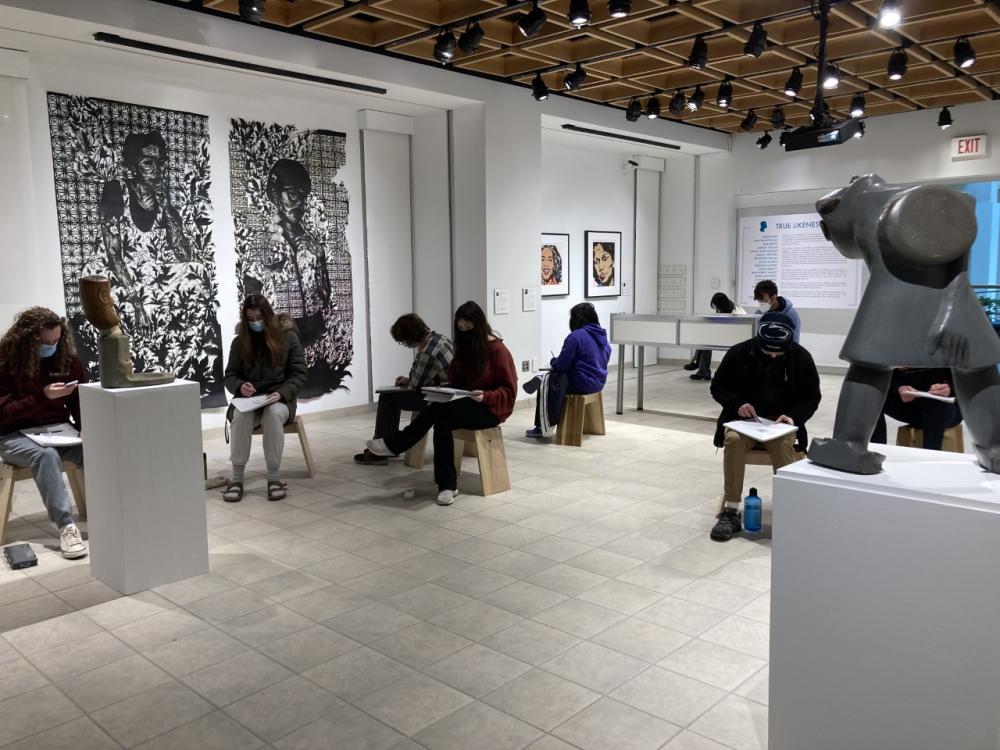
x=768, y=376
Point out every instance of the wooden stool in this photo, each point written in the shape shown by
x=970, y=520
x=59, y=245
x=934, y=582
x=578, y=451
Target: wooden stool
x=491, y=454
x=414, y=457
x=298, y=427
x=10, y=474
x=581, y=415
x=911, y=437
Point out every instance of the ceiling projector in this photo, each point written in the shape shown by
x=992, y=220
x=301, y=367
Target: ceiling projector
x=814, y=136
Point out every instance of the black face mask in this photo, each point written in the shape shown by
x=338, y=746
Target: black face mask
x=465, y=337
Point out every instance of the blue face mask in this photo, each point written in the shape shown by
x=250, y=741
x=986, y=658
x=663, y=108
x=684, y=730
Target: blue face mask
x=47, y=350
x=256, y=325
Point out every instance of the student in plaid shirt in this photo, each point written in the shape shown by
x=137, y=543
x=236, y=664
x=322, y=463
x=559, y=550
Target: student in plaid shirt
x=433, y=354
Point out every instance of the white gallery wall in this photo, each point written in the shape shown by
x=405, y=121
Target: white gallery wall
x=906, y=147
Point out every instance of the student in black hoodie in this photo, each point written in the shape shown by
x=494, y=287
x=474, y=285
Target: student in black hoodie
x=767, y=376
x=927, y=415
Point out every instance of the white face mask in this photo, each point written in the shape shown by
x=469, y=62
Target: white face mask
x=764, y=306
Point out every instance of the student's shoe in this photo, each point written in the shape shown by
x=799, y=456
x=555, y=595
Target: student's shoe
x=534, y=432
x=727, y=525
x=699, y=376
x=378, y=448
x=691, y=366
x=71, y=543
x=370, y=459
x=446, y=497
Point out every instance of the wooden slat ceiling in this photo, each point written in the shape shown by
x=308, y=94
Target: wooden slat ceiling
x=647, y=51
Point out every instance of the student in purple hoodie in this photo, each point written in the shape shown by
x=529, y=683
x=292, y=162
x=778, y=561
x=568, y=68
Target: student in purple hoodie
x=584, y=356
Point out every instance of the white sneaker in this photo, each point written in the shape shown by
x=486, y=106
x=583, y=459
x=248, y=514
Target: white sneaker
x=71, y=543
x=378, y=447
x=446, y=497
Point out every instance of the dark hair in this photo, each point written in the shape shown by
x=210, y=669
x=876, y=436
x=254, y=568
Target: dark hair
x=767, y=287
x=409, y=329
x=19, y=345
x=273, y=335
x=609, y=248
x=136, y=142
x=470, y=346
x=556, y=262
x=722, y=303
x=582, y=314
x=287, y=172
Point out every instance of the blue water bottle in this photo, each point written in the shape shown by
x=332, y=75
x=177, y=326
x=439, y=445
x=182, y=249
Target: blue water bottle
x=752, y=511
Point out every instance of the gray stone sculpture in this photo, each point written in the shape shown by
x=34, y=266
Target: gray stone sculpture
x=918, y=311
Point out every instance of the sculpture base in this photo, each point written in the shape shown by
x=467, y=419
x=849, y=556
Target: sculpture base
x=989, y=458
x=844, y=456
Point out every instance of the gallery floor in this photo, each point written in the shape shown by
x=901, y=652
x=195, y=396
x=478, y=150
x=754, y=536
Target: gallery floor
x=584, y=608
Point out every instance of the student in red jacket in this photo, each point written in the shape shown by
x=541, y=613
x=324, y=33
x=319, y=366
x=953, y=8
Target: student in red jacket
x=37, y=364
x=483, y=365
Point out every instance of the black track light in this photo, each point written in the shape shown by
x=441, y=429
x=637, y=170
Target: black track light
x=749, y=121
x=579, y=13
x=764, y=141
x=698, y=58
x=832, y=78
x=471, y=38
x=794, y=83
x=677, y=102
x=653, y=107
x=619, y=8
x=782, y=138
x=444, y=47
x=778, y=117
x=890, y=14
x=858, y=105
x=251, y=10
x=538, y=88
x=696, y=100
x=897, y=64
x=725, y=96
x=944, y=119
x=757, y=42
x=965, y=56
x=860, y=132
x=634, y=110
x=531, y=23
x=574, y=79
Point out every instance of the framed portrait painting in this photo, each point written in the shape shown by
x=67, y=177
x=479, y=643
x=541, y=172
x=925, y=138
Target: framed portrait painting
x=555, y=265
x=603, y=258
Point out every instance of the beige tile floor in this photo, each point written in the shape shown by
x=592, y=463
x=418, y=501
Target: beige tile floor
x=584, y=608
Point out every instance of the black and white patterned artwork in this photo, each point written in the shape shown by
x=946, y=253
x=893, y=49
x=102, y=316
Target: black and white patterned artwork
x=132, y=201
x=290, y=216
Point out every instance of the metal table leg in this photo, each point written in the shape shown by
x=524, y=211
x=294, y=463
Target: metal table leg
x=621, y=379
x=641, y=350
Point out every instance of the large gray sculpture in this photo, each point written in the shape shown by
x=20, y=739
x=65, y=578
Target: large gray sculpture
x=918, y=311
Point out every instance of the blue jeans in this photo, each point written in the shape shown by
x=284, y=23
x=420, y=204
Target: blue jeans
x=46, y=467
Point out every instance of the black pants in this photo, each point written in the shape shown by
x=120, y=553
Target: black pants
x=390, y=405
x=930, y=416
x=703, y=357
x=463, y=413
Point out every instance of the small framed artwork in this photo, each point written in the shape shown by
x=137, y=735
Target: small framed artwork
x=555, y=265
x=603, y=251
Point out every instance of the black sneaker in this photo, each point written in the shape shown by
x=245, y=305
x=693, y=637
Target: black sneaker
x=727, y=525
x=691, y=366
x=370, y=459
x=699, y=376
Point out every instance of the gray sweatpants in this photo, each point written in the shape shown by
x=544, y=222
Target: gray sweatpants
x=46, y=467
x=271, y=419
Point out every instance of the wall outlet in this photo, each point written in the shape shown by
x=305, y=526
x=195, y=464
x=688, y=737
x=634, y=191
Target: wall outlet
x=525, y=365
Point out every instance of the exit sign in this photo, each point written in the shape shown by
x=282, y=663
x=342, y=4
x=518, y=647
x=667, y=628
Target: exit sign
x=970, y=147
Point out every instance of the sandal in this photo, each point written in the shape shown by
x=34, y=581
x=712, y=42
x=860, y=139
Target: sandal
x=276, y=490
x=233, y=492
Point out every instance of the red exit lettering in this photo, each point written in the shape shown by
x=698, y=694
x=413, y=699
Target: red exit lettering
x=969, y=145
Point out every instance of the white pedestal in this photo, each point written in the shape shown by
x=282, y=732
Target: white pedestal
x=145, y=492
x=885, y=606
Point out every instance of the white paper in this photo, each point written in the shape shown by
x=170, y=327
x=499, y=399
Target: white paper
x=763, y=431
x=441, y=395
x=251, y=404
x=501, y=301
x=54, y=435
x=935, y=397
x=529, y=299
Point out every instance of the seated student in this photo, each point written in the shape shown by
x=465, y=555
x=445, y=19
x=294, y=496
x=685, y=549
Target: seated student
x=584, y=357
x=767, y=376
x=38, y=363
x=432, y=355
x=766, y=296
x=265, y=358
x=702, y=359
x=483, y=365
x=925, y=414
